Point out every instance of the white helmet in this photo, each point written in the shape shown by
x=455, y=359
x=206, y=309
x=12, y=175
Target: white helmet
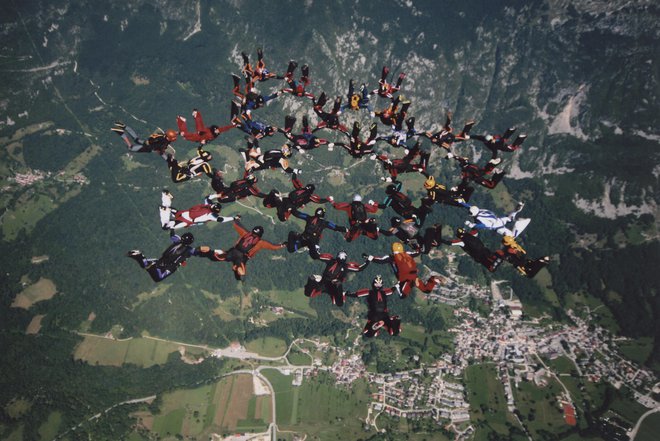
x=474, y=210
x=341, y=255
x=357, y=198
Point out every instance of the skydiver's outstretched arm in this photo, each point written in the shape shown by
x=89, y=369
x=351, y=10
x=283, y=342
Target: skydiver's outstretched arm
x=382, y=259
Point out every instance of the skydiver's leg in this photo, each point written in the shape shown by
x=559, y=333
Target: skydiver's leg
x=182, y=125
x=432, y=238
x=313, y=286
x=199, y=122
x=519, y=140
x=427, y=286
x=532, y=267
x=336, y=293
x=292, y=243
x=313, y=247
x=399, y=80
x=368, y=331
x=507, y=134
x=394, y=325
x=404, y=287
x=159, y=273
x=140, y=259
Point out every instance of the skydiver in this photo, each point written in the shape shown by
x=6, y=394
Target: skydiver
x=218, y=181
x=472, y=172
x=488, y=220
x=174, y=256
x=385, y=89
x=402, y=204
x=172, y=219
x=238, y=189
x=251, y=99
x=248, y=244
x=405, y=268
x=358, y=221
x=392, y=115
x=271, y=159
x=181, y=172
x=306, y=140
x=202, y=133
x=438, y=193
x=513, y=253
x=408, y=231
x=297, y=88
x=445, y=137
x=259, y=72
x=295, y=200
x=157, y=142
x=357, y=100
x=378, y=315
x=332, y=279
x=311, y=235
x=476, y=249
x=500, y=143
x=244, y=121
x=405, y=165
x=400, y=136
x=329, y=120
x=358, y=148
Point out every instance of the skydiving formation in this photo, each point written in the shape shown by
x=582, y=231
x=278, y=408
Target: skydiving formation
x=391, y=140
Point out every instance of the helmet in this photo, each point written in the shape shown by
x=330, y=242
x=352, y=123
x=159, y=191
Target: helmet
x=258, y=230
x=357, y=198
x=310, y=187
x=206, y=156
x=286, y=150
x=508, y=240
x=429, y=183
x=187, y=239
x=489, y=138
x=260, y=99
x=378, y=281
x=395, y=221
x=251, y=178
x=460, y=232
x=390, y=189
x=474, y=210
x=341, y=255
x=216, y=207
x=215, y=129
x=320, y=212
x=397, y=247
x=170, y=135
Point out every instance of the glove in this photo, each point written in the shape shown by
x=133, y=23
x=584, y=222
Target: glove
x=343, y=229
x=450, y=155
x=373, y=157
x=330, y=198
x=371, y=202
x=297, y=171
x=237, y=217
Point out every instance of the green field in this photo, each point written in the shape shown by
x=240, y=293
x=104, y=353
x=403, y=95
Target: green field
x=538, y=407
x=649, y=429
x=294, y=301
x=562, y=365
x=636, y=350
x=228, y=405
x=335, y=413
x=49, y=429
x=627, y=407
x=298, y=358
x=267, y=346
x=488, y=408
x=283, y=395
x=144, y=352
